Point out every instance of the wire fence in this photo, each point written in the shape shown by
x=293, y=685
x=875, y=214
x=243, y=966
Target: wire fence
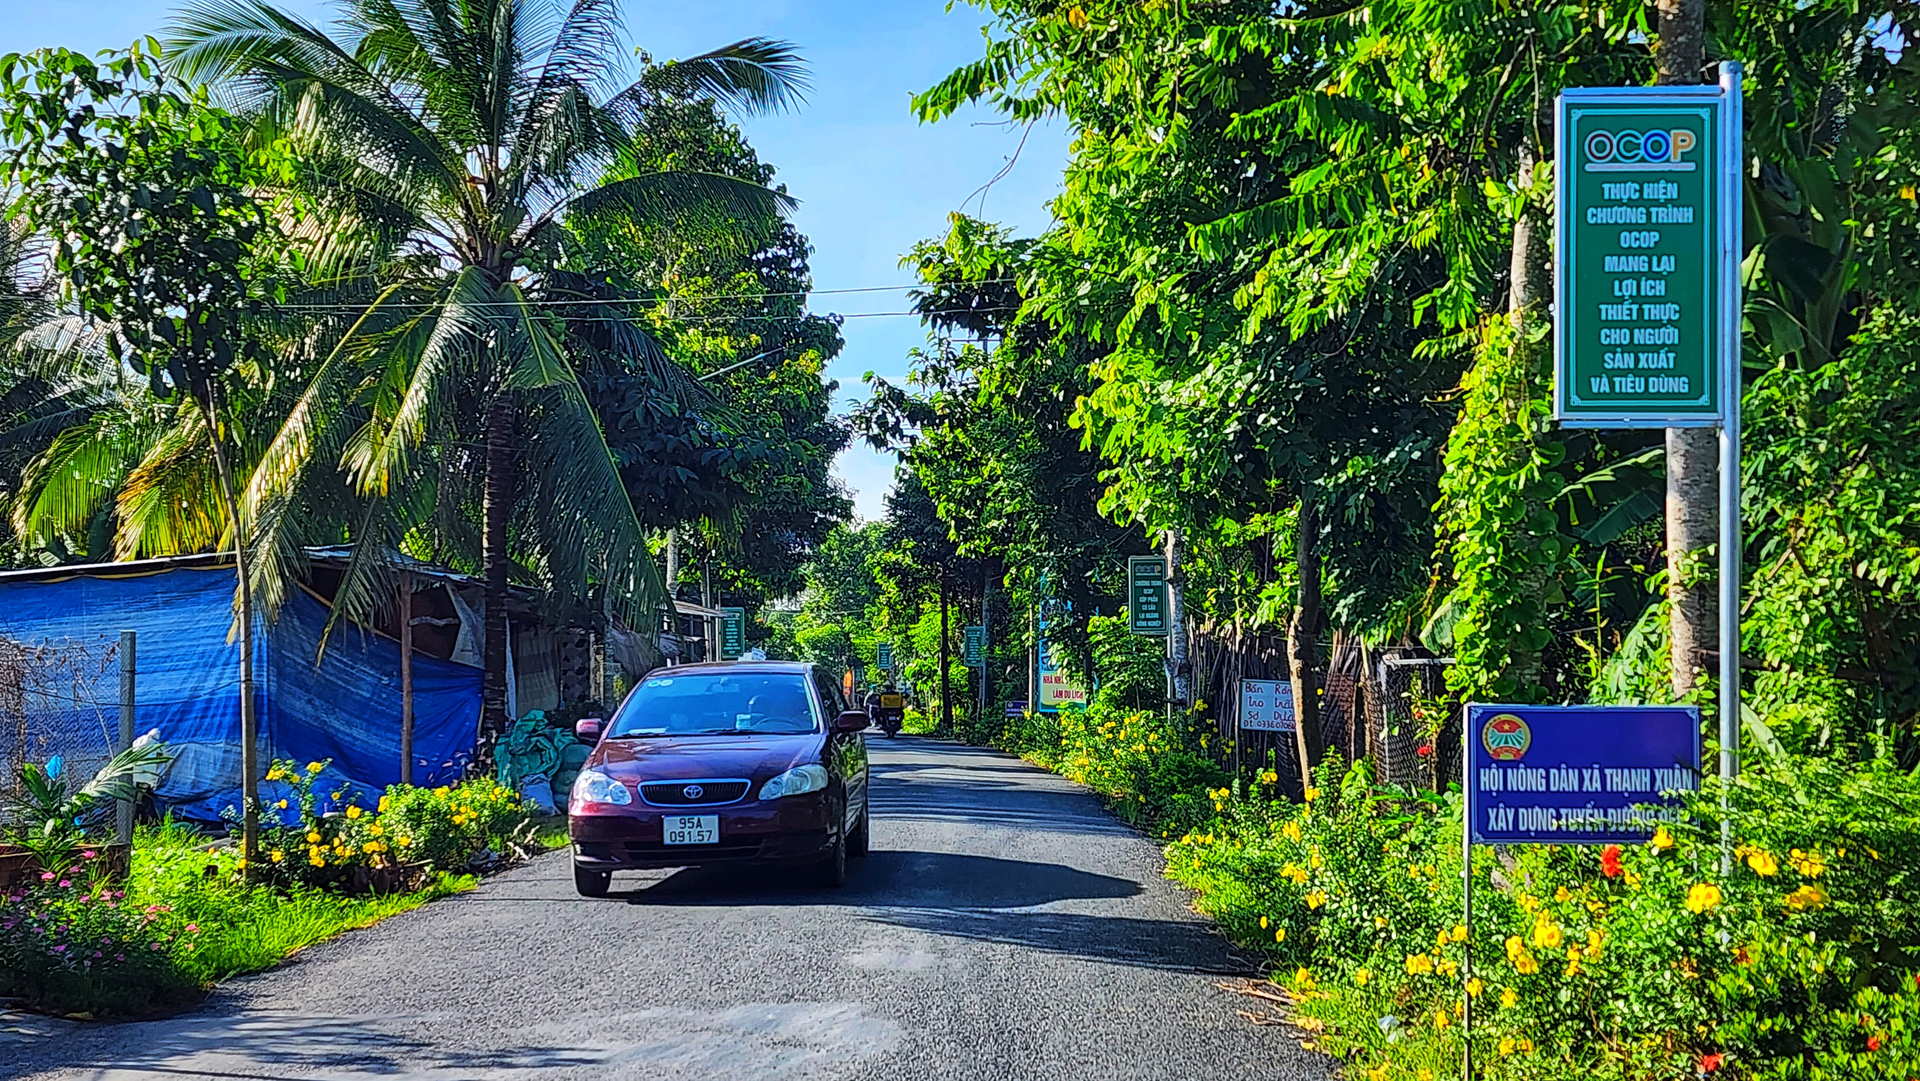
x=58, y=698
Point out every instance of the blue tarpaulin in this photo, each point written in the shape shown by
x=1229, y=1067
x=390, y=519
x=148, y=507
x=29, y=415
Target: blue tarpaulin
x=346, y=709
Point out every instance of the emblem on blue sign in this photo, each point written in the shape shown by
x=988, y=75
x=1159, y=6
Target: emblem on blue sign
x=1506, y=738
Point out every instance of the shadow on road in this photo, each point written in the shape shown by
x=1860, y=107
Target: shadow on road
x=227, y=1044
x=888, y=879
x=1174, y=945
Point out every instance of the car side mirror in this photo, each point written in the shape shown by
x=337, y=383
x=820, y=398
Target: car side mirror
x=588, y=729
x=852, y=720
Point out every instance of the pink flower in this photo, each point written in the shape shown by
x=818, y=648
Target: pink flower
x=193, y=928
x=87, y=855
x=65, y=883
x=61, y=948
x=119, y=956
x=46, y=876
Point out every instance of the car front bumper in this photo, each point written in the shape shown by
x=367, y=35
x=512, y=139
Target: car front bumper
x=795, y=829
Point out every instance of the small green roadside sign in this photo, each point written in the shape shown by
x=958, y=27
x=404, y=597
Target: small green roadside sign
x=733, y=634
x=1147, y=595
x=1646, y=293
x=976, y=645
x=883, y=656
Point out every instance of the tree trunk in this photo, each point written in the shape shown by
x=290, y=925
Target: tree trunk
x=243, y=602
x=1303, y=644
x=406, y=678
x=1179, y=663
x=1693, y=454
x=496, y=507
x=986, y=639
x=946, y=699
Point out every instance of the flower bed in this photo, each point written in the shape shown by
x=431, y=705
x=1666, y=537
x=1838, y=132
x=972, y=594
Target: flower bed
x=1800, y=961
x=189, y=912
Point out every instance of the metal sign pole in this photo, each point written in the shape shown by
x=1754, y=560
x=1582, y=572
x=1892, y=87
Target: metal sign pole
x=1466, y=900
x=1733, y=157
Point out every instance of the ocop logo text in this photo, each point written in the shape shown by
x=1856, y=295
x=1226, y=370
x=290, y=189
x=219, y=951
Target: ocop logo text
x=1617, y=151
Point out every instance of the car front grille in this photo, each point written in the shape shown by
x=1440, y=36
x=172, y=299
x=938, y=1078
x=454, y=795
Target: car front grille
x=700, y=793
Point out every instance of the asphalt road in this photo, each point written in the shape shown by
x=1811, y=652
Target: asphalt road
x=1004, y=927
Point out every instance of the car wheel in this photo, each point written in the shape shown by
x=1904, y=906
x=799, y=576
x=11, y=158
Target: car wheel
x=860, y=841
x=591, y=883
x=833, y=870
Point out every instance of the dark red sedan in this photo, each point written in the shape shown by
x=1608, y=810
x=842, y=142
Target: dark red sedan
x=758, y=761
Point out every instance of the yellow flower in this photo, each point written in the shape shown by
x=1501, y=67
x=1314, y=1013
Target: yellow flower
x=1522, y=958
x=1440, y=1019
x=1425, y=1074
x=1763, y=863
x=1295, y=872
x=376, y=829
x=1419, y=964
x=1447, y=967
x=1807, y=898
x=1547, y=934
x=1459, y=932
x=313, y=837
x=1316, y=898
x=1291, y=831
x=1312, y=793
x=1379, y=923
x=353, y=812
x=1377, y=1073
x=1561, y=895
x=1279, y=934
x=1474, y=987
x=370, y=846
x=1268, y=776
x=1263, y=923
x=384, y=801
x=274, y=774
x=317, y=860
x=405, y=841
x=314, y=767
x=1703, y=897
x=276, y=855
x=1361, y=977
x=1303, y=978
x=1906, y=190
x=1509, y=998
x=1662, y=840
x=282, y=805
x=1808, y=864
x=1506, y=1045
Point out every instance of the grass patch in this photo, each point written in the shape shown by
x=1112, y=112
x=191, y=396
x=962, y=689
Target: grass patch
x=245, y=929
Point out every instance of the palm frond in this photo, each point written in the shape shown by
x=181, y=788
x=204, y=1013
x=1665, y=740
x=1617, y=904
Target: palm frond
x=683, y=198
x=749, y=76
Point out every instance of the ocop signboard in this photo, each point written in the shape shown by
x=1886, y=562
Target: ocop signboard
x=1645, y=284
x=1577, y=774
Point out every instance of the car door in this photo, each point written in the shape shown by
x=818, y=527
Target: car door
x=849, y=749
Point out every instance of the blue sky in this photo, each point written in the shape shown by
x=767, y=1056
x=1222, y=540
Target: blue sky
x=871, y=180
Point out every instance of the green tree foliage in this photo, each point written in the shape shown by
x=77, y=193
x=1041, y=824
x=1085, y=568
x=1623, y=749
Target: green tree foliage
x=449, y=153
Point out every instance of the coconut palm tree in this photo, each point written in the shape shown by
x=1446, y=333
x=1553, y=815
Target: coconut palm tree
x=450, y=153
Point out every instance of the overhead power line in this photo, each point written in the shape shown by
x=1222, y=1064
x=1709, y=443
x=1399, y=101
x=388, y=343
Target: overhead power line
x=650, y=302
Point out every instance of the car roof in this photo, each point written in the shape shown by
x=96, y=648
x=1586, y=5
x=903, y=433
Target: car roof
x=795, y=667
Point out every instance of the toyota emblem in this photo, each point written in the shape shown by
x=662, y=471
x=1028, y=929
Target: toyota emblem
x=693, y=791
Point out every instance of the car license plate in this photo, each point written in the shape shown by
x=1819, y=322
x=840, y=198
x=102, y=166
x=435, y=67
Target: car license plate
x=692, y=829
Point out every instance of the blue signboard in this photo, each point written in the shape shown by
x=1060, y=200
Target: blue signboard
x=1577, y=774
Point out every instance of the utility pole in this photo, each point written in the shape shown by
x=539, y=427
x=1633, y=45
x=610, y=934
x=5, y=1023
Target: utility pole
x=123, y=813
x=1179, y=664
x=406, y=677
x=946, y=700
x=1679, y=56
x=986, y=643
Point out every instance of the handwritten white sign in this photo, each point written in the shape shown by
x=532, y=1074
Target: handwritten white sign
x=1266, y=705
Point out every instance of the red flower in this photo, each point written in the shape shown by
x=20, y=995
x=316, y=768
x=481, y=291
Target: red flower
x=1424, y=749
x=1610, y=862
x=1873, y=1042
x=1710, y=1063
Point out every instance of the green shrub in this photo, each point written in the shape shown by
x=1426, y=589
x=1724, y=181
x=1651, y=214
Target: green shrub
x=1636, y=962
x=69, y=945
x=447, y=826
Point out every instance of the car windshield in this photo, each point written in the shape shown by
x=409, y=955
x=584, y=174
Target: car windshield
x=717, y=703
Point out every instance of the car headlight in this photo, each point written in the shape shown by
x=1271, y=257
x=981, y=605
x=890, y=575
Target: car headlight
x=592, y=786
x=794, y=782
